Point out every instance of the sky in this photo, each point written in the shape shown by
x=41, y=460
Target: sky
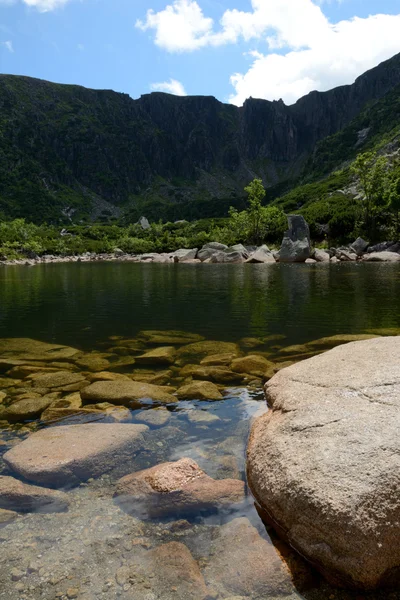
x=230, y=49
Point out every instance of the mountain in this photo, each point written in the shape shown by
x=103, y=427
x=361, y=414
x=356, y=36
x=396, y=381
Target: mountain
x=68, y=152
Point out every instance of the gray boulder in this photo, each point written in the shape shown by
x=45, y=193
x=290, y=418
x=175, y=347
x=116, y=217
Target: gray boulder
x=144, y=223
x=321, y=256
x=359, y=246
x=208, y=250
x=296, y=244
x=386, y=256
x=324, y=462
x=261, y=255
x=184, y=254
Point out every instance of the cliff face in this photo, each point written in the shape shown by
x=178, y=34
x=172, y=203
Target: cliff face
x=66, y=148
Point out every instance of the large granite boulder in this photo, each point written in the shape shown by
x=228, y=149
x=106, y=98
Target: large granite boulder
x=324, y=462
x=67, y=455
x=296, y=244
x=262, y=255
x=176, y=488
x=385, y=256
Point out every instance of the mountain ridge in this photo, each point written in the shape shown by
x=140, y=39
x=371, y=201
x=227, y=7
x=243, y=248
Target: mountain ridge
x=68, y=151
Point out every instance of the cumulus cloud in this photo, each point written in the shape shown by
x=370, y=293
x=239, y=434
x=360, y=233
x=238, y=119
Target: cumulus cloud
x=8, y=45
x=303, y=50
x=170, y=87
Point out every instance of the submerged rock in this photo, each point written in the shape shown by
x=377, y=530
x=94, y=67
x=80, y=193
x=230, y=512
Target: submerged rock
x=199, y=390
x=22, y=497
x=125, y=393
x=155, y=417
x=56, y=380
x=324, y=463
x=26, y=410
x=168, y=337
x=252, y=365
x=67, y=455
x=26, y=348
x=245, y=564
x=197, y=351
x=7, y=516
x=176, y=488
x=159, y=356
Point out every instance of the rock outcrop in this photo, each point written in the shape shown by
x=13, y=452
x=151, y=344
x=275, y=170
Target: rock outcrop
x=176, y=488
x=296, y=244
x=65, y=456
x=324, y=462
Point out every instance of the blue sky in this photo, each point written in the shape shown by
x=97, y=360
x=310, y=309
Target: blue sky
x=230, y=49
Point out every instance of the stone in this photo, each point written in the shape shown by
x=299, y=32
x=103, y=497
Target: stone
x=67, y=455
x=199, y=390
x=107, y=376
x=25, y=348
x=3, y=396
x=321, y=256
x=22, y=497
x=144, y=223
x=70, y=401
x=296, y=244
x=219, y=375
x=93, y=362
x=199, y=350
x=382, y=257
x=201, y=417
x=26, y=410
x=184, y=255
x=261, y=255
x=126, y=393
x=217, y=360
x=359, y=246
x=56, y=380
x=252, y=365
x=323, y=464
x=173, y=573
x=346, y=255
x=245, y=564
x=159, y=356
x=310, y=261
x=338, y=340
x=156, y=417
x=7, y=517
x=176, y=488
x=209, y=250
x=169, y=337
x=235, y=257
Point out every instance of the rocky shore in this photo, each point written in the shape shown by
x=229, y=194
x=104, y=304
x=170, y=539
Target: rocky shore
x=296, y=248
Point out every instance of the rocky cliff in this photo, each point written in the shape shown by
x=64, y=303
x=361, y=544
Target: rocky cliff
x=68, y=150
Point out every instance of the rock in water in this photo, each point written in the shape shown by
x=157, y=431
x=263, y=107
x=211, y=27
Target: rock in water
x=21, y=497
x=176, y=488
x=296, y=244
x=324, y=463
x=127, y=393
x=65, y=456
x=243, y=563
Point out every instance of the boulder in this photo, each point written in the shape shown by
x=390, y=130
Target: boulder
x=183, y=254
x=199, y=390
x=108, y=376
x=28, y=349
x=7, y=517
x=217, y=360
x=385, y=256
x=261, y=255
x=199, y=350
x=296, y=244
x=235, y=257
x=168, y=571
x=324, y=463
x=311, y=261
x=252, y=365
x=144, y=223
x=166, y=338
x=359, y=246
x=245, y=564
x=67, y=455
x=208, y=250
x=93, y=362
x=201, y=417
x=26, y=410
x=346, y=255
x=176, y=488
x=56, y=380
x=156, y=417
x=126, y=393
x=220, y=375
x=158, y=356
x=321, y=256
x=22, y=497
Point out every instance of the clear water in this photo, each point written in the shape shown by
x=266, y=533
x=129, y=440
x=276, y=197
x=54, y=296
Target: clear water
x=93, y=551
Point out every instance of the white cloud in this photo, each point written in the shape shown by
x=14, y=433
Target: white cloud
x=313, y=53
x=40, y=5
x=170, y=87
x=8, y=45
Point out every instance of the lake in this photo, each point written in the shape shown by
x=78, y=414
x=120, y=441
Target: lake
x=97, y=549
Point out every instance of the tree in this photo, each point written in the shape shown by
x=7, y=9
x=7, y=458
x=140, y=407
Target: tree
x=256, y=194
x=393, y=195
x=371, y=172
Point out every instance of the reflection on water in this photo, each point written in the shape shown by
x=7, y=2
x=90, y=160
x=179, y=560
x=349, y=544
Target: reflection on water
x=96, y=550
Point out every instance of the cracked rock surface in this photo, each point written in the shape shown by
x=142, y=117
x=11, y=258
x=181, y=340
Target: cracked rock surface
x=324, y=463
